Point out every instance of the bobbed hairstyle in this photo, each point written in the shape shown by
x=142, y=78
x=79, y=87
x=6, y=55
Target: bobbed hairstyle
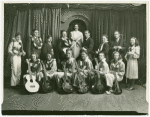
x=136, y=41
x=116, y=52
x=105, y=36
x=101, y=53
x=37, y=56
x=17, y=34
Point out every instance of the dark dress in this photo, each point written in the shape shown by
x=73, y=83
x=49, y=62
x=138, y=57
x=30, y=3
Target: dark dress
x=63, y=44
x=46, y=49
x=88, y=44
x=105, y=50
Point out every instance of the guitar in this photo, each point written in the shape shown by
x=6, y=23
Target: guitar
x=66, y=85
x=117, y=87
x=47, y=86
x=98, y=87
x=83, y=87
x=31, y=85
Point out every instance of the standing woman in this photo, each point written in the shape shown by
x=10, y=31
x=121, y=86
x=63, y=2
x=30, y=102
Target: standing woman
x=104, y=47
x=15, y=50
x=47, y=47
x=64, y=44
x=37, y=43
x=132, y=64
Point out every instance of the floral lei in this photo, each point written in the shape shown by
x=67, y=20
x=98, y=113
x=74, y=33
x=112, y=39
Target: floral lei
x=37, y=42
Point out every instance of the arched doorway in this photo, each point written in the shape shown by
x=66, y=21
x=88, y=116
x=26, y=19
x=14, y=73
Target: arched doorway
x=81, y=24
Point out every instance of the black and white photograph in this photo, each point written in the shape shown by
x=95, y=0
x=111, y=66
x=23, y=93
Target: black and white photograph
x=79, y=58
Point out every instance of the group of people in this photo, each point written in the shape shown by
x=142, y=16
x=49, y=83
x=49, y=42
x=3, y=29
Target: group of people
x=73, y=51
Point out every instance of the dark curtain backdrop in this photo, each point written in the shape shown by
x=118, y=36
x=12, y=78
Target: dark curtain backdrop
x=24, y=20
x=129, y=22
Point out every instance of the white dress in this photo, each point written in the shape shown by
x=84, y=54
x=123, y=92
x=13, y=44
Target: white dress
x=15, y=59
x=76, y=46
x=132, y=63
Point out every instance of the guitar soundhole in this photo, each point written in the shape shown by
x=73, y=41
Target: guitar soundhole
x=32, y=86
x=31, y=80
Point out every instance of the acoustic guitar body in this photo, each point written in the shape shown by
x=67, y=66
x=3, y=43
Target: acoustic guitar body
x=98, y=87
x=67, y=87
x=83, y=89
x=31, y=85
x=47, y=86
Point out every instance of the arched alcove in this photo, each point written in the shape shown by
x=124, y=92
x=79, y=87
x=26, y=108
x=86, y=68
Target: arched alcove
x=82, y=25
x=69, y=16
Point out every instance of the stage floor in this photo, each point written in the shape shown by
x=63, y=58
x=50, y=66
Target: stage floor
x=18, y=99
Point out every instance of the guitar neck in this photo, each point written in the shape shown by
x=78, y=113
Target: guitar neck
x=77, y=67
x=29, y=70
x=65, y=74
x=97, y=68
x=44, y=71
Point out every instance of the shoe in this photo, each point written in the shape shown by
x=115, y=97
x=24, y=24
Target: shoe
x=131, y=88
x=108, y=92
x=111, y=91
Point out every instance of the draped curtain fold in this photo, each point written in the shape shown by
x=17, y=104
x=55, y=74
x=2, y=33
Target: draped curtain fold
x=46, y=20
x=56, y=25
x=129, y=22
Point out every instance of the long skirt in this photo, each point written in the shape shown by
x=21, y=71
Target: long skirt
x=132, y=68
x=109, y=79
x=15, y=70
x=76, y=49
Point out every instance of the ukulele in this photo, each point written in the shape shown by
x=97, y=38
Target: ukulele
x=31, y=85
x=117, y=87
x=47, y=86
x=66, y=85
x=83, y=87
x=98, y=87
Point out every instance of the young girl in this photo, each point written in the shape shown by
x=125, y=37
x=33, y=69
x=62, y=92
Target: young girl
x=132, y=64
x=15, y=49
x=117, y=71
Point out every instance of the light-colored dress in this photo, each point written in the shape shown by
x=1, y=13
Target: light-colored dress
x=14, y=50
x=132, y=63
x=77, y=40
x=117, y=71
x=104, y=68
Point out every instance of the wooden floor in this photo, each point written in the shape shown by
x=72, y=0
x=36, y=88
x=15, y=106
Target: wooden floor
x=18, y=99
